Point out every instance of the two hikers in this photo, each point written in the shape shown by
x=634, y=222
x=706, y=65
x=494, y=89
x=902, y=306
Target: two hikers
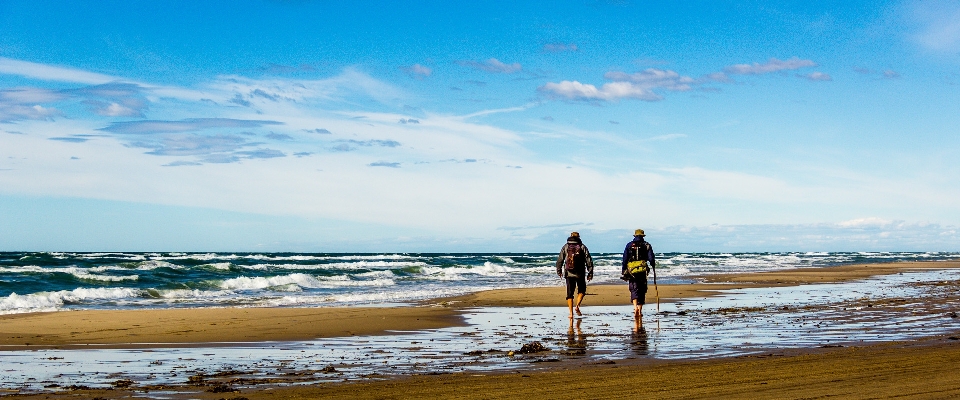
x=638, y=261
x=576, y=265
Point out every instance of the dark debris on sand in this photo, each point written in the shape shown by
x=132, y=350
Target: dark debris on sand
x=532, y=347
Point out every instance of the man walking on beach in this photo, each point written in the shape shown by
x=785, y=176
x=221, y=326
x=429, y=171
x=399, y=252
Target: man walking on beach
x=576, y=265
x=638, y=261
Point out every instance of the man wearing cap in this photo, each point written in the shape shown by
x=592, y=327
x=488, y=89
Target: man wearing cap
x=576, y=265
x=638, y=261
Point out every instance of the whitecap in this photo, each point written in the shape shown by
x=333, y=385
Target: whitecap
x=260, y=282
x=77, y=272
x=51, y=301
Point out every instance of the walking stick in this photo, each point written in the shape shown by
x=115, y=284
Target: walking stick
x=655, y=289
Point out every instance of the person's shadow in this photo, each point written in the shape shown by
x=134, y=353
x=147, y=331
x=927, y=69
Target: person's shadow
x=638, y=338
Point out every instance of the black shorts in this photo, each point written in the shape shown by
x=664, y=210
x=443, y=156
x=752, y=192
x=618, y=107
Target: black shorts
x=638, y=290
x=580, y=284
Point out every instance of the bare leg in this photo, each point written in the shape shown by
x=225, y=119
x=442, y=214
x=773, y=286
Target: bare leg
x=570, y=306
x=636, y=309
x=579, y=300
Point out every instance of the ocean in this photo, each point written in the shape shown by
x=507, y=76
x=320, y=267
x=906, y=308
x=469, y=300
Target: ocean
x=52, y=281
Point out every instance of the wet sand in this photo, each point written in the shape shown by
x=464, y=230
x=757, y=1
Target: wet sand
x=914, y=370
x=148, y=328
x=918, y=369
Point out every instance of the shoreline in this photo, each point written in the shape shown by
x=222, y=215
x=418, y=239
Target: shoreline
x=920, y=364
x=202, y=326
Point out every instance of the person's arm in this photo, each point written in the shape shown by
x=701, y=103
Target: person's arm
x=652, y=259
x=589, y=263
x=561, y=259
x=626, y=258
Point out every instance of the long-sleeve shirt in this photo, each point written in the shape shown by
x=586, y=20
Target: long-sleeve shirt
x=651, y=260
x=578, y=269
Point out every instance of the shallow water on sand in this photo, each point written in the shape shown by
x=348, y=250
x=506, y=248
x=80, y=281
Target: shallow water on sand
x=740, y=322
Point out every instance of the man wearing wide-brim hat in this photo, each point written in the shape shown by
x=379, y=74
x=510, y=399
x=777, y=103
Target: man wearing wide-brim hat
x=638, y=261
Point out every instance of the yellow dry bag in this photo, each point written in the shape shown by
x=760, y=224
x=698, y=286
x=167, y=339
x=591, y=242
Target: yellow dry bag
x=637, y=268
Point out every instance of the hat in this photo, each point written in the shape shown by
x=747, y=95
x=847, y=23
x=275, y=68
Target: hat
x=638, y=232
x=575, y=234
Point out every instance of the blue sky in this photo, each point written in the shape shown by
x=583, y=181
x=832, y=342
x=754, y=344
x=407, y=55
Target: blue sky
x=484, y=126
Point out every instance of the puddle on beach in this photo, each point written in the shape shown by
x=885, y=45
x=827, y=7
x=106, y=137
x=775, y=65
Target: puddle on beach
x=740, y=322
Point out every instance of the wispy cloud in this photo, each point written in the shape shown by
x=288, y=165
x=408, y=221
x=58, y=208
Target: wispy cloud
x=30, y=96
x=574, y=90
x=110, y=99
x=772, y=65
x=654, y=78
x=184, y=125
x=25, y=103
x=52, y=73
x=816, y=76
x=348, y=84
x=16, y=112
x=193, y=145
x=385, y=164
x=70, y=139
x=279, y=136
x=206, y=140
x=492, y=65
x=645, y=85
x=869, y=222
x=351, y=145
x=417, y=71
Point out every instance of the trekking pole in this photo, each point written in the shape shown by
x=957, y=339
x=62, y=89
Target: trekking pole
x=657, y=291
x=655, y=288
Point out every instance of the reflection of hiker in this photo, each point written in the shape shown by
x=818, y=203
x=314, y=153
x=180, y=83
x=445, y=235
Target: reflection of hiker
x=638, y=260
x=576, y=342
x=576, y=265
x=638, y=339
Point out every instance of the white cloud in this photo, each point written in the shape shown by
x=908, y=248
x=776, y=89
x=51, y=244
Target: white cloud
x=817, y=76
x=772, y=65
x=14, y=112
x=51, y=73
x=492, y=65
x=29, y=96
x=869, y=222
x=117, y=110
x=654, y=78
x=644, y=85
x=573, y=90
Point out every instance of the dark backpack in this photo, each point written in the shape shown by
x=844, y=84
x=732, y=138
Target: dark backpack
x=638, y=252
x=638, y=261
x=575, y=256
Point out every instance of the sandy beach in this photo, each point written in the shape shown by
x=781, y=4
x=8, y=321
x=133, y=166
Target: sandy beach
x=918, y=369
x=185, y=326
